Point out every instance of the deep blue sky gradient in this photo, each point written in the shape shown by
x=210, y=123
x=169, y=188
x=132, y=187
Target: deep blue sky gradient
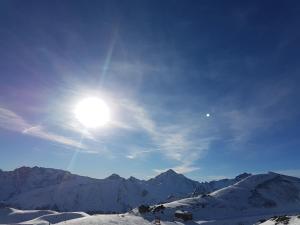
x=161, y=66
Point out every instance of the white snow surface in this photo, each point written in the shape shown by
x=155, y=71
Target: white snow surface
x=131, y=219
x=292, y=220
x=11, y=215
x=56, y=218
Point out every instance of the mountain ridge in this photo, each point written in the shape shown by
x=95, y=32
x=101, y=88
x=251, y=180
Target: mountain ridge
x=168, y=171
x=46, y=188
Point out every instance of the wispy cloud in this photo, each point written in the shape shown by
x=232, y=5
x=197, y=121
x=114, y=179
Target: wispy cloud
x=175, y=141
x=138, y=153
x=9, y=120
x=186, y=140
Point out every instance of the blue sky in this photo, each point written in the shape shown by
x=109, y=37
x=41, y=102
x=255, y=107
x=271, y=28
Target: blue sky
x=161, y=66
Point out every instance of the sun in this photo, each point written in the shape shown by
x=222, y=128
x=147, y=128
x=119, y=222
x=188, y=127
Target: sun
x=92, y=112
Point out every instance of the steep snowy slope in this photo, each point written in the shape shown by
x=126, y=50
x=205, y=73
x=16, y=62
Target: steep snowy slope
x=107, y=195
x=216, y=185
x=264, y=194
x=43, y=188
x=170, y=185
x=25, y=179
x=207, y=187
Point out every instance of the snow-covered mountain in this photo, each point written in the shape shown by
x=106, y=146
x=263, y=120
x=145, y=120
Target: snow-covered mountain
x=44, y=188
x=256, y=199
x=253, y=198
x=216, y=185
x=207, y=187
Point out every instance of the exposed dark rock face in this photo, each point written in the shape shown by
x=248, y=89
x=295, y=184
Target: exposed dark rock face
x=185, y=216
x=144, y=209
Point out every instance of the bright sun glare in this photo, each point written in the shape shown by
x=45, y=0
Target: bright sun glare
x=92, y=112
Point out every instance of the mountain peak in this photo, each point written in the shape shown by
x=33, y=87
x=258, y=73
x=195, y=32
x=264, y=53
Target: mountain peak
x=170, y=172
x=242, y=176
x=114, y=176
x=22, y=168
x=133, y=179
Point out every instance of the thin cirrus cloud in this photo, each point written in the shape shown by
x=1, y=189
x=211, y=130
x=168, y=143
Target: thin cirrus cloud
x=186, y=141
x=134, y=154
x=173, y=141
x=9, y=120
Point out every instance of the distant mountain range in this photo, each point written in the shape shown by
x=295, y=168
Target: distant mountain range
x=45, y=188
x=246, y=199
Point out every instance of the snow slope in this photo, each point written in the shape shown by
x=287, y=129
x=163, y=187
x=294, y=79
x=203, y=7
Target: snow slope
x=11, y=215
x=56, y=218
x=286, y=220
x=130, y=219
x=62, y=191
x=255, y=197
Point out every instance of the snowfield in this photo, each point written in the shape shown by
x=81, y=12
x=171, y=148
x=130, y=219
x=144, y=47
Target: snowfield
x=12, y=216
x=131, y=219
x=56, y=218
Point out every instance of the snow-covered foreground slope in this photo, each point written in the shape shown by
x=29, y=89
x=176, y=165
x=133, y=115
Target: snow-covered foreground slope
x=117, y=219
x=43, y=188
x=286, y=220
x=12, y=216
x=131, y=219
x=56, y=218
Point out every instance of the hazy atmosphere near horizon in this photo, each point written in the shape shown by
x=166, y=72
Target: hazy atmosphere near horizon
x=207, y=88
